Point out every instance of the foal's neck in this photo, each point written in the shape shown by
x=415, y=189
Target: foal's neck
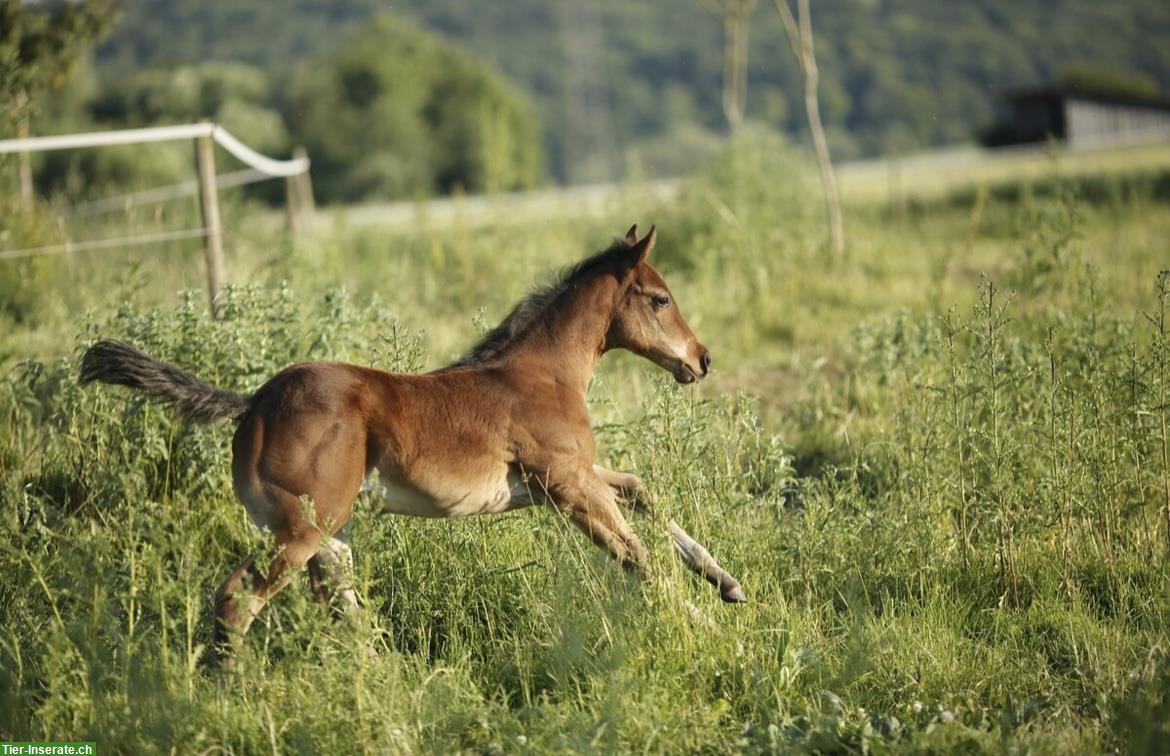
x=572, y=339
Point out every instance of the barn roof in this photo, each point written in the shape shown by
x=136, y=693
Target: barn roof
x=1061, y=93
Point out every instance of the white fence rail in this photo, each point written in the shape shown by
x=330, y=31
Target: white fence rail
x=299, y=192
x=225, y=139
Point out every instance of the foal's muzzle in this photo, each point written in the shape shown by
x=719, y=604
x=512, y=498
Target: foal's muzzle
x=687, y=373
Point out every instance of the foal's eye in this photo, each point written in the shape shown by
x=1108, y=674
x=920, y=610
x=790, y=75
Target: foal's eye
x=660, y=301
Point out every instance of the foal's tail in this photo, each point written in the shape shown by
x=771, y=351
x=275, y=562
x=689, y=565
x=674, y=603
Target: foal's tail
x=116, y=362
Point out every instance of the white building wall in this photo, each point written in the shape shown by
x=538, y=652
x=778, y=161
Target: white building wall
x=1094, y=124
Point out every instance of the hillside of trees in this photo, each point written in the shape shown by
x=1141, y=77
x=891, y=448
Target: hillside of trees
x=392, y=111
x=619, y=85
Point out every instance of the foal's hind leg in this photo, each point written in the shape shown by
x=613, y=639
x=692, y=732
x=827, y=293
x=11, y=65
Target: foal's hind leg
x=248, y=590
x=632, y=492
x=331, y=574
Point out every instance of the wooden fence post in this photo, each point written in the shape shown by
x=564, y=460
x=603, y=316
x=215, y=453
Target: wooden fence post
x=295, y=225
x=24, y=160
x=303, y=185
x=212, y=230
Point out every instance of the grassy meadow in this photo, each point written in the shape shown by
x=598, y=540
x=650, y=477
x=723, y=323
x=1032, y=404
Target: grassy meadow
x=939, y=467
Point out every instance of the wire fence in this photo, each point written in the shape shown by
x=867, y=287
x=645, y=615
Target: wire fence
x=260, y=168
x=161, y=194
x=111, y=243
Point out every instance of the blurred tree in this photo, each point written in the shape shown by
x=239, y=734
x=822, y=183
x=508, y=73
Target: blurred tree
x=39, y=42
x=734, y=14
x=398, y=112
x=800, y=36
x=233, y=94
x=1091, y=78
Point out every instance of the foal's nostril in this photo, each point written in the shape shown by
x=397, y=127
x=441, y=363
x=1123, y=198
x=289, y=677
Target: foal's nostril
x=705, y=361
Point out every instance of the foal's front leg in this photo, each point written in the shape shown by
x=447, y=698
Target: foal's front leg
x=592, y=506
x=633, y=492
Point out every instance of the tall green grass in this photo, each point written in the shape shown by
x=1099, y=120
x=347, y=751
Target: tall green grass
x=939, y=467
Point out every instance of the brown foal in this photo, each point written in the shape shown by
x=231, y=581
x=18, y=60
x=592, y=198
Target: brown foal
x=505, y=427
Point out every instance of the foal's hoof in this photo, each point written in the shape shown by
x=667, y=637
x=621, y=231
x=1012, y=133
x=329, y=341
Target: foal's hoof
x=733, y=595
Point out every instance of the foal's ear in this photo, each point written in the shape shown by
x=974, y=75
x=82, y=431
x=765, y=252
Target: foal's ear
x=632, y=235
x=641, y=250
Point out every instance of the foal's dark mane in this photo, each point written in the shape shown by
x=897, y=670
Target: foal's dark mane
x=531, y=310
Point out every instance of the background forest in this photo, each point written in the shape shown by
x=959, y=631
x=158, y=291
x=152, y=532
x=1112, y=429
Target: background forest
x=577, y=92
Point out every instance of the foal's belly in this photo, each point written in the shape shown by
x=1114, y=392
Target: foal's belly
x=492, y=494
